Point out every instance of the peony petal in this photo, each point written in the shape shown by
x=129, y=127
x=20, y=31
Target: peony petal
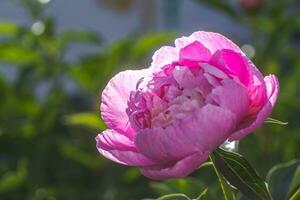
x=232, y=63
x=232, y=96
x=212, y=80
x=257, y=77
x=115, y=97
x=167, y=144
x=272, y=86
x=184, y=77
x=195, y=52
x=120, y=149
x=212, y=70
x=183, y=138
x=204, y=85
x=272, y=92
x=212, y=41
x=110, y=139
x=214, y=126
x=179, y=169
x=256, y=89
x=164, y=56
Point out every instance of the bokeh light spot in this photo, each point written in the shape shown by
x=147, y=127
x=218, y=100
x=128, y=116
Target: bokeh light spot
x=38, y=28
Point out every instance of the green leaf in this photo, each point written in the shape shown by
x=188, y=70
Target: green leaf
x=77, y=36
x=238, y=171
x=275, y=121
x=15, y=53
x=177, y=196
x=149, y=42
x=228, y=193
x=13, y=179
x=283, y=179
x=86, y=119
x=295, y=182
x=189, y=186
x=88, y=73
x=206, y=164
x=202, y=194
x=8, y=28
x=76, y=154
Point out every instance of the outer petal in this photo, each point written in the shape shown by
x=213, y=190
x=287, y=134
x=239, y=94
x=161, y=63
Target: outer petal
x=120, y=149
x=215, y=124
x=232, y=96
x=257, y=89
x=212, y=41
x=164, y=56
x=272, y=85
x=183, y=138
x=112, y=140
x=165, y=145
x=115, y=97
x=179, y=169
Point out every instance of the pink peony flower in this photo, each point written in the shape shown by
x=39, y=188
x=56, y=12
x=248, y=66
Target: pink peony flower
x=195, y=96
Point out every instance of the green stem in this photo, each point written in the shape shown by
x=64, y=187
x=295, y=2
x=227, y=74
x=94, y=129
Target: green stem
x=296, y=195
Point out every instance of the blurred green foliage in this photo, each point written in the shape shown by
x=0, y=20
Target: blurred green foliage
x=284, y=179
x=47, y=147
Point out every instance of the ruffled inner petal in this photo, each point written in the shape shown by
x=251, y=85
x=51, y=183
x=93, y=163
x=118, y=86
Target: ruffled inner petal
x=232, y=96
x=232, y=63
x=195, y=52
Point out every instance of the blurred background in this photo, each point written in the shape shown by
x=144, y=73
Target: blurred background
x=57, y=55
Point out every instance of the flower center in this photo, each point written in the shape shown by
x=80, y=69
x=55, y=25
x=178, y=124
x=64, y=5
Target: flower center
x=166, y=98
x=182, y=105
